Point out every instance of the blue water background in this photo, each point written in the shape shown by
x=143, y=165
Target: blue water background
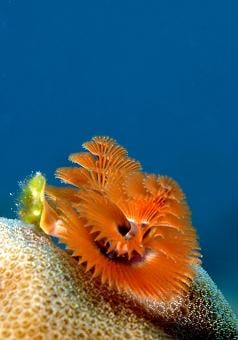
x=159, y=76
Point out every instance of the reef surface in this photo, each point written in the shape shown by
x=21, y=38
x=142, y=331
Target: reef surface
x=44, y=294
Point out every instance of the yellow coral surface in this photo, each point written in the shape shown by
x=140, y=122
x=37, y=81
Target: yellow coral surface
x=45, y=294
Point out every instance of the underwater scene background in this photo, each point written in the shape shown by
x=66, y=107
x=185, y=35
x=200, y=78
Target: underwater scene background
x=160, y=78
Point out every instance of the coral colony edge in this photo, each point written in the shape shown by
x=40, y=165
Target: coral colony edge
x=135, y=268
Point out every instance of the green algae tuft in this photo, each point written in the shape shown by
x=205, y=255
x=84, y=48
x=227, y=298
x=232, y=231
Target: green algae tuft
x=31, y=198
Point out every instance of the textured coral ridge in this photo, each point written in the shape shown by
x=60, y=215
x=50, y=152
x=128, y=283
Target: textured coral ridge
x=131, y=229
x=202, y=314
x=44, y=294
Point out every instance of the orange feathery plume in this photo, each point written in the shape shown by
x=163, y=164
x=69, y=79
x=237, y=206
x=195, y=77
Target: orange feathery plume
x=130, y=228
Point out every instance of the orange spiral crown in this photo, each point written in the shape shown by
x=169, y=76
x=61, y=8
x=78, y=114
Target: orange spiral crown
x=130, y=228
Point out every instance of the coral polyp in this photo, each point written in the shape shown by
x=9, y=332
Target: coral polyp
x=131, y=229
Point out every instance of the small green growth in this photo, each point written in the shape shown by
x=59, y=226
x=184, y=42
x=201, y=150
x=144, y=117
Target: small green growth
x=31, y=199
